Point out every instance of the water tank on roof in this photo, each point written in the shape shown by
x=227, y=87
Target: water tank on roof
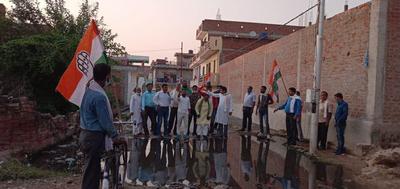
x=253, y=34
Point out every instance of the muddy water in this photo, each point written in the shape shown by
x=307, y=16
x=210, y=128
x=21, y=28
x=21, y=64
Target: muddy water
x=241, y=161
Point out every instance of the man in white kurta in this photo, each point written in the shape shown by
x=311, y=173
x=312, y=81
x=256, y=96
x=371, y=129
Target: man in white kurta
x=136, y=112
x=183, y=114
x=223, y=112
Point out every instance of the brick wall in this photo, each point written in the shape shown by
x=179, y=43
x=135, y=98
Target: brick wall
x=346, y=38
x=390, y=131
x=345, y=45
x=231, y=47
x=23, y=128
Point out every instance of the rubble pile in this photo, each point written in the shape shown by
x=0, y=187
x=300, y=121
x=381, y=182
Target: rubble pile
x=383, y=164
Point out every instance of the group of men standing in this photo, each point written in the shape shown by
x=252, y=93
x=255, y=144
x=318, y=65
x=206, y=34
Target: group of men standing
x=293, y=109
x=174, y=111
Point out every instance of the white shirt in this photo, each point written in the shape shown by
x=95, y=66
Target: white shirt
x=162, y=99
x=174, y=98
x=183, y=105
x=324, y=109
x=249, y=100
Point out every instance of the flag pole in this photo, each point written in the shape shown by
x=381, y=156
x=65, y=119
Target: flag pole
x=284, y=85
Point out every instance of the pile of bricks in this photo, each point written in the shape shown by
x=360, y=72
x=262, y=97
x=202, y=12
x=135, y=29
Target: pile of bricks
x=24, y=129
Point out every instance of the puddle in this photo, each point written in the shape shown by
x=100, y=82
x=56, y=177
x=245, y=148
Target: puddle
x=236, y=162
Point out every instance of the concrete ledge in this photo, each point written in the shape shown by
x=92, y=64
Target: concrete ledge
x=358, y=131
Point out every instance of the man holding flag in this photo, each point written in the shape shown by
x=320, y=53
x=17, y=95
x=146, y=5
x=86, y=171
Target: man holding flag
x=82, y=84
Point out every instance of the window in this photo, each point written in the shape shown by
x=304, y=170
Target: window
x=204, y=70
x=208, y=68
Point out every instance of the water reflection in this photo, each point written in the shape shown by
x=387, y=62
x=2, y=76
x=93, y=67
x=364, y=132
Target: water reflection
x=239, y=162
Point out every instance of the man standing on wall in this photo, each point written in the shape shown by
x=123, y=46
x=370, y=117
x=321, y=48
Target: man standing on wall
x=325, y=114
x=215, y=102
x=135, y=108
x=341, y=114
x=262, y=108
x=149, y=109
x=299, y=131
x=292, y=109
x=223, y=112
x=174, y=109
x=162, y=99
x=194, y=97
x=249, y=102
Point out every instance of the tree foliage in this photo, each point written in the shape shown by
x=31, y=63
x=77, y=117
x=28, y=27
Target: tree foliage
x=37, y=46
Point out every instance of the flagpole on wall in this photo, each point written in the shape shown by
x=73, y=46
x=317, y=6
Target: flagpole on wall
x=284, y=85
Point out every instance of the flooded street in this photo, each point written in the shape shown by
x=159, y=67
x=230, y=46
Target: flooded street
x=241, y=161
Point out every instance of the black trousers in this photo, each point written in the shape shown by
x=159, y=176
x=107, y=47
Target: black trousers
x=291, y=129
x=173, y=119
x=192, y=115
x=150, y=112
x=322, y=135
x=247, y=121
x=92, y=145
x=212, y=123
x=263, y=114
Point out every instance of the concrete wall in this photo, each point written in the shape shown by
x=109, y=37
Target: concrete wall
x=346, y=41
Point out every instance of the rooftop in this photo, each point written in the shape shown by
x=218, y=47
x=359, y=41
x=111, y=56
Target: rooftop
x=208, y=25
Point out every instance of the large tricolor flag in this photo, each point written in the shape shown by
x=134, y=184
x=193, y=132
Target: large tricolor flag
x=274, y=76
x=90, y=51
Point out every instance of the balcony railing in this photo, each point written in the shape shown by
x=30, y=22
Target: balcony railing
x=205, y=51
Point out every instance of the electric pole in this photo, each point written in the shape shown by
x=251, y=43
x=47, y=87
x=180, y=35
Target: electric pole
x=317, y=78
x=181, y=62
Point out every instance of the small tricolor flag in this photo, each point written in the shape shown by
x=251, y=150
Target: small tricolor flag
x=274, y=76
x=90, y=51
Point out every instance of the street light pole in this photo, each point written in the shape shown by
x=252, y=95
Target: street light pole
x=317, y=79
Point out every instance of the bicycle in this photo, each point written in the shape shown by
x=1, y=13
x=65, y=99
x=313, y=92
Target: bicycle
x=114, y=165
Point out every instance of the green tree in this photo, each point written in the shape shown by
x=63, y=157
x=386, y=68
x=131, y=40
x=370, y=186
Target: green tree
x=37, y=46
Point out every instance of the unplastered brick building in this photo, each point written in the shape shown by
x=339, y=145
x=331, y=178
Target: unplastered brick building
x=222, y=41
x=361, y=59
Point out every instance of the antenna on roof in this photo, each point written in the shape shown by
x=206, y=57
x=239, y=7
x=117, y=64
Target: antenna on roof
x=218, y=17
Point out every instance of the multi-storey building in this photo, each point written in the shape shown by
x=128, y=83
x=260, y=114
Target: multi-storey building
x=222, y=41
x=172, y=72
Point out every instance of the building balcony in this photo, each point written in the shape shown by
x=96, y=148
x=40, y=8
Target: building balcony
x=205, y=52
x=166, y=81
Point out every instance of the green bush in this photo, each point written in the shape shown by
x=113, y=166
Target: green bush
x=14, y=169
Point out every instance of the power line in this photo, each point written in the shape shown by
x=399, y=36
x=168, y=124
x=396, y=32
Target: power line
x=156, y=50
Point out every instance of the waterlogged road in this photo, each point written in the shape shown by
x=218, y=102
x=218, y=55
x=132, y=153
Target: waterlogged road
x=241, y=161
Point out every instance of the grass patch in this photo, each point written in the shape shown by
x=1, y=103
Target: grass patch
x=13, y=170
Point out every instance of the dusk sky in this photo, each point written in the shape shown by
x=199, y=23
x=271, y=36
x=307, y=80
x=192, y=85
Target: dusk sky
x=147, y=27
